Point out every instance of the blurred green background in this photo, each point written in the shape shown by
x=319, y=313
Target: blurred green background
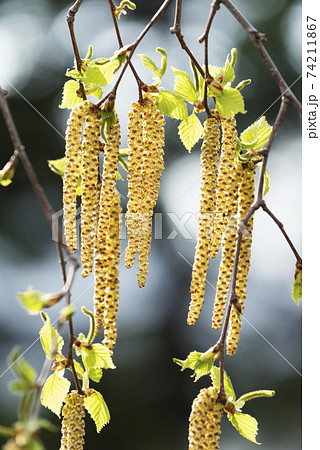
x=149, y=398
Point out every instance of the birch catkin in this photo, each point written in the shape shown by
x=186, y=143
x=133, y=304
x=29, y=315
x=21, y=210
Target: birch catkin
x=145, y=165
x=153, y=142
x=227, y=259
x=73, y=422
x=205, y=420
x=225, y=180
x=246, y=198
x=103, y=258
x=209, y=162
x=72, y=171
x=112, y=275
x=89, y=183
x=135, y=180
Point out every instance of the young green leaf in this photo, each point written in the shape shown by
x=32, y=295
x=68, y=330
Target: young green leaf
x=230, y=103
x=257, y=134
x=190, y=131
x=98, y=356
x=97, y=409
x=54, y=392
x=7, y=173
x=78, y=368
x=297, y=291
x=93, y=89
x=94, y=75
x=33, y=301
x=51, y=340
x=183, y=86
x=57, y=165
x=266, y=179
x=246, y=425
x=228, y=72
x=171, y=105
x=70, y=97
x=194, y=362
x=215, y=377
x=150, y=64
x=95, y=374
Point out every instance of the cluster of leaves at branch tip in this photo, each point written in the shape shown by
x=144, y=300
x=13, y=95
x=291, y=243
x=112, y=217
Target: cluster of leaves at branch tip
x=203, y=364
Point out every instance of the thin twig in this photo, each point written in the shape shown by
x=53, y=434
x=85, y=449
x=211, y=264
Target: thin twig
x=257, y=39
x=140, y=83
x=259, y=203
x=132, y=47
x=70, y=18
x=215, y=6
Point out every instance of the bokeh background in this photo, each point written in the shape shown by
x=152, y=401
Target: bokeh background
x=149, y=398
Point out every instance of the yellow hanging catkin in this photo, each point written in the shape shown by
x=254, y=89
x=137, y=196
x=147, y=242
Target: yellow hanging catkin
x=135, y=180
x=72, y=171
x=107, y=198
x=153, y=142
x=205, y=420
x=246, y=198
x=73, y=422
x=225, y=181
x=227, y=259
x=89, y=183
x=112, y=275
x=209, y=162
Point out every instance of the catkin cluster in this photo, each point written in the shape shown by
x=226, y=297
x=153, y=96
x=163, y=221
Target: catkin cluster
x=205, y=420
x=73, y=430
x=227, y=192
x=209, y=163
x=100, y=209
x=145, y=165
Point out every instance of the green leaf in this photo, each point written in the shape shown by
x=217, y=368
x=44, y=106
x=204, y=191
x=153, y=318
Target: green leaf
x=33, y=301
x=150, y=64
x=78, y=368
x=70, y=97
x=51, y=340
x=230, y=103
x=57, y=165
x=228, y=72
x=54, y=392
x=266, y=179
x=190, y=131
x=251, y=395
x=97, y=409
x=94, y=75
x=92, y=89
x=21, y=368
x=95, y=375
x=215, y=376
x=257, y=134
x=193, y=362
x=183, y=86
x=7, y=173
x=98, y=356
x=246, y=425
x=297, y=291
x=171, y=105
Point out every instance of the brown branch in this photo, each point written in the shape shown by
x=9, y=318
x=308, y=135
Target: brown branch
x=176, y=29
x=140, y=83
x=257, y=39
x=132, y=47
x=215, y=6
x=70, y=18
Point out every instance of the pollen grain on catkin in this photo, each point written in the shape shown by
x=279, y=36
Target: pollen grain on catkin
x=225, y=181
x=73, y=426
x=209, y=162
x=205, y=420
x=103, y=258
x=73, y=163
x=89, y=187
x=246, y=199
